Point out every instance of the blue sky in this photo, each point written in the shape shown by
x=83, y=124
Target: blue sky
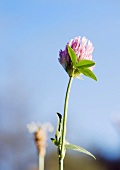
x=31, y=34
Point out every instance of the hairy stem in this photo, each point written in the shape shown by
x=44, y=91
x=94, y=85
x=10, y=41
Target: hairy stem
x=62, y=154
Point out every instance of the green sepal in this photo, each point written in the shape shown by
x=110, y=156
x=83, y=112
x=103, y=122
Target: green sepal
x=59, y=129
x=57, y=136
x=59, y=122
x=57, y=139
x=78, y=148
x=54, y=141
x=87, y=72
x=85, y=64
x=72, y=55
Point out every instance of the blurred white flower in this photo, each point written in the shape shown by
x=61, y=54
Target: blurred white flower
x=40, y=134
x=34, y=126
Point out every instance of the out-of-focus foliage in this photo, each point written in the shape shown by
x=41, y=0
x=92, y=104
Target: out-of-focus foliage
x=78, y=162
x=18, y=152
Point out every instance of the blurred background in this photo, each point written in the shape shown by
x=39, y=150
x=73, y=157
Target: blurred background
x=33, y=83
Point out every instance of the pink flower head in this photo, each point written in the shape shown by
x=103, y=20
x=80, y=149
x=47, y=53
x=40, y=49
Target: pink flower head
x=83, y=49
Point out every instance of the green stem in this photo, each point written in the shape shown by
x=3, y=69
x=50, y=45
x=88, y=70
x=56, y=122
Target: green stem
x=64, y=125
x=41, y=162
x=60, y=163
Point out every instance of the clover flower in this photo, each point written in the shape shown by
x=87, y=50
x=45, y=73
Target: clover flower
x=82, y=48
x=40, y=135
x=76, y=59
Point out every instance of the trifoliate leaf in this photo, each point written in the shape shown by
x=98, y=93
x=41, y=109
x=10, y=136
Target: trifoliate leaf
x=85, y=63
x=87, y=72
x=72, y=55
x=78, y=148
